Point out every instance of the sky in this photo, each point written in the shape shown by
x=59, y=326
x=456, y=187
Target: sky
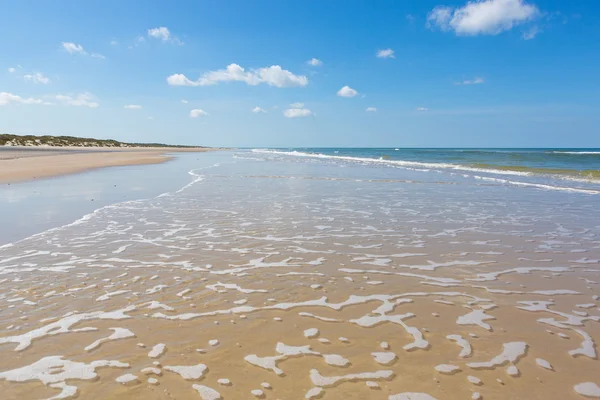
x=269, y=73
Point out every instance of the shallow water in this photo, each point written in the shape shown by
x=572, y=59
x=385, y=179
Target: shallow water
x=314, y=276
x=35, y=206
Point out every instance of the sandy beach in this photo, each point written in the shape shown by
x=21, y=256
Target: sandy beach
x=22, y=164
x=273, y=278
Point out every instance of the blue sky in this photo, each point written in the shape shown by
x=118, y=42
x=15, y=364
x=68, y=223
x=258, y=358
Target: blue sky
x=429, y=73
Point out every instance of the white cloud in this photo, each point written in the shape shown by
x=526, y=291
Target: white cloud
x=37, y=78
x=386, y=53
x=531, y=33
x=258, y=110
x=371, y=109
x=272, y=76
x=73, y=48
x=11, y=70
x=7, y=98
x=347, y=91
x=163, y=34
x=184, y=101
x=80, y=100
x=195, y=113
x=489, y=17
x=422, y=109
x=315, y=62
x=297, y=112
x=475, y=81
x=133, y=107
x=114, y=42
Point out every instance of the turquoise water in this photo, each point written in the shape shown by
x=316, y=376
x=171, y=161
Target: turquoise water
x=534, y=159
x=575, y=170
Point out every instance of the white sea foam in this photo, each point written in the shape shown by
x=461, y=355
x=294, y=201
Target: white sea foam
x=323, y=381
x=189, y=372
x=588, y=389
x=54, y=371
x=395, y=163
x=118, y=333
x=127, y=379
x=447, y=369
x=466, y=350
x=314, y=393
x=207, y=393
x=384, y=358
x=311, y=333
x=512, y=352
x=411, y=396
x=157, y=351
x=544, y=364
x=64, y=326
x=476, y=317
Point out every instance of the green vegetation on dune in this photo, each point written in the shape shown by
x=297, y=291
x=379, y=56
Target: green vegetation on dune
x=71, y=141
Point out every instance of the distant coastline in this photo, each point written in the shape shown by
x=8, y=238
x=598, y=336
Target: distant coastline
x=25, y=158
x=10, y=140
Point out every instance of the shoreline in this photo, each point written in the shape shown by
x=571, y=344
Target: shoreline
x=29, y=165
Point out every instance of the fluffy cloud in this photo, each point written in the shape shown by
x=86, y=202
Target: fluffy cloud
x=347, y=91
x=11, y=70
x=80, y=100
x=195, y=113
x=371, y=109
x=272, y=76
x=422, y=109
x=258, y=110
x=475, y=81
x=37, y=78
x=489, y=17
x=7, y=98
x=297, y=112
x=315, y=62
x=386, y=53
x=73, y=48
x=163, y=34
x=184, y=101
x=133, y=107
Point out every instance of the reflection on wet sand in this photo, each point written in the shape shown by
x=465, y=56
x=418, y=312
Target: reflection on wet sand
x=244, y=286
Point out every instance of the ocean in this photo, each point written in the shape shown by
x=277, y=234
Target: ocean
x=558, y=169
x=308, y=273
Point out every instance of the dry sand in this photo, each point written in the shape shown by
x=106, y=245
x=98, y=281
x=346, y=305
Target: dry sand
x=23, y=164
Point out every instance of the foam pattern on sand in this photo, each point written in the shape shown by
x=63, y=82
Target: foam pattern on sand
x=309, y=275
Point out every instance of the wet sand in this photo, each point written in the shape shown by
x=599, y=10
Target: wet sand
x=23, y=164
x=314, y=288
